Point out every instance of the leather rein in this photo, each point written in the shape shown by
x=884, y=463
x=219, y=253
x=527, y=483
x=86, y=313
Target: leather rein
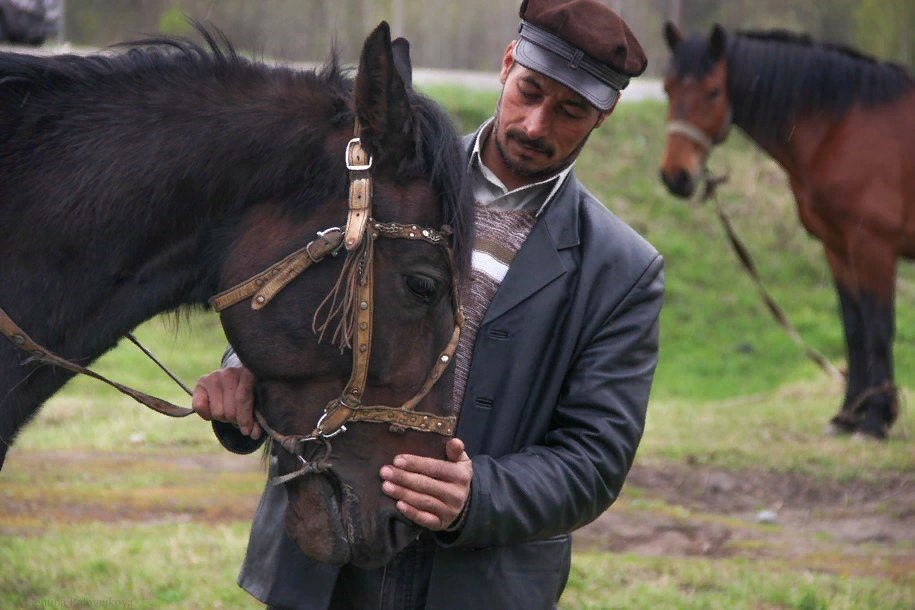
x=263, y=287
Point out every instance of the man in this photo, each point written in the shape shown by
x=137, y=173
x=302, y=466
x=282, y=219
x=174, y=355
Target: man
x=553, y=369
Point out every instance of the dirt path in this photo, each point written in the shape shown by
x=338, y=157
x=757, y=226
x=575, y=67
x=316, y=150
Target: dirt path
x=863, y=528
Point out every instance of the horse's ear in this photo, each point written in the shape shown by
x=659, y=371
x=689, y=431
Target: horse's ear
x=381, y=101
x=402, y=60
x=717, y=42
x=672, y=36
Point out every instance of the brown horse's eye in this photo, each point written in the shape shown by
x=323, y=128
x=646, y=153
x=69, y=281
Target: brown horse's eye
x=421, y=286
x=714, y=93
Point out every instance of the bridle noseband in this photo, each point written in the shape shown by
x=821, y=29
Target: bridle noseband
x=357, y=238
x=698, y=136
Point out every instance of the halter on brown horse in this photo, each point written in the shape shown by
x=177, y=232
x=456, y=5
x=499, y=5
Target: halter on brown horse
x=141, y=182
x=842, y=126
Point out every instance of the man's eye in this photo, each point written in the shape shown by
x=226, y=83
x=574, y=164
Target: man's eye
x=572, y=113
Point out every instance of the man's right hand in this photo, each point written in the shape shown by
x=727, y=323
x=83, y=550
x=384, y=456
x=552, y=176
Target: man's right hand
x=227, y=395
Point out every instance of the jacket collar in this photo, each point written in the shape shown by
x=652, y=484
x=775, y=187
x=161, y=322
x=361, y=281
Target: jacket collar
x=538, y=261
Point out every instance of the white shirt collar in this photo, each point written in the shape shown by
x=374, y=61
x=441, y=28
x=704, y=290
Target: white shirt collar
x=490, y=191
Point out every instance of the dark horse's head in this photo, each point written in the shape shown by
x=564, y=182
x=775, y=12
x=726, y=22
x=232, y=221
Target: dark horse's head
x=699, y=110
x=339, y=514
x=161, y=176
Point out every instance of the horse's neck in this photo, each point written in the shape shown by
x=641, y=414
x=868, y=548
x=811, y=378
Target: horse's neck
x=789, y=146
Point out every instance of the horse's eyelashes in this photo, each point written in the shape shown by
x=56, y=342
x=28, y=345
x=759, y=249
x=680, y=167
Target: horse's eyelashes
x=422, y=286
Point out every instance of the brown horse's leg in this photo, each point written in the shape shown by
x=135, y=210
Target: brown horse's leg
x=865, y=292
x=846, y=420
x=879, y=398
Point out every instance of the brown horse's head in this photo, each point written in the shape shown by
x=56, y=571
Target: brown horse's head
x=338, y=514
x=699, y=109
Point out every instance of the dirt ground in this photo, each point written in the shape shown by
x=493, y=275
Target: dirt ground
x=860, y=528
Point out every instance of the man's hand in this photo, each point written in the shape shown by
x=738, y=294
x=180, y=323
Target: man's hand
x=227, y=395
x=430, y=492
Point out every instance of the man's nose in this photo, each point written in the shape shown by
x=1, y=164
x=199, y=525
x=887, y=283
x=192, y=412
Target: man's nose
x=537, y=123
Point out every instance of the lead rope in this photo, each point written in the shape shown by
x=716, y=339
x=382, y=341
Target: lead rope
x=710, y=188
x=38, y=353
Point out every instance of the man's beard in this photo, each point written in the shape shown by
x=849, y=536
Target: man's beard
x=538, y=144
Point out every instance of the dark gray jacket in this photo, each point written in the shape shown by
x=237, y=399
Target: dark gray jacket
x=552, y=416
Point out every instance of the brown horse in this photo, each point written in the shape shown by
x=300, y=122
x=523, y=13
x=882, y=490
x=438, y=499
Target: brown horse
x=140, y=182
x=842, y=126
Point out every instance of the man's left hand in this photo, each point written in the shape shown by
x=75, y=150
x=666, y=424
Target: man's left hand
x=430, y=492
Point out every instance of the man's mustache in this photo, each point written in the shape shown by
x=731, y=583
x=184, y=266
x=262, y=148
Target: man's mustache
x=538, y=144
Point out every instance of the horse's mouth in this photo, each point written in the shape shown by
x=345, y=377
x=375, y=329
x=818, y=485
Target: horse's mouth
x=325, y=518
x=317, y=521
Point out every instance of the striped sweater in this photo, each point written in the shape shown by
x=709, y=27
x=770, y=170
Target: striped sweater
x=499, y=236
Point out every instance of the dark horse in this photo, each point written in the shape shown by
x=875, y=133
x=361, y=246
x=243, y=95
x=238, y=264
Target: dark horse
x=140, y=182
x=842, y=126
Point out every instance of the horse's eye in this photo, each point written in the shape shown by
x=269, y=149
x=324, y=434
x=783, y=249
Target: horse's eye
x=421, y=286
x=714, y=93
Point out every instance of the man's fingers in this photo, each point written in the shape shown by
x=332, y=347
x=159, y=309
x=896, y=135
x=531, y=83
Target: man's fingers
x=227, y=395
x=433, y=468
x=407, y=486
x=200, y=402
x=243, y=400
x=417, y=500
x=429, y=521
x=427, y=511
x=455, y=451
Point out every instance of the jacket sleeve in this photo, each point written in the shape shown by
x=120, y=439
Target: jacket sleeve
x=578, y=470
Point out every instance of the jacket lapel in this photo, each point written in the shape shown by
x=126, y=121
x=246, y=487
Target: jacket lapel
x=538, y=261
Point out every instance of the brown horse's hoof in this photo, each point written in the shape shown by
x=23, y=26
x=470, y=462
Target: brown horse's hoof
x=837, y=429
x=865, y=436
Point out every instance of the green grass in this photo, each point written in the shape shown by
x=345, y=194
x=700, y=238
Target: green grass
x=604, y=581
x=732, y=391
x=165, y=565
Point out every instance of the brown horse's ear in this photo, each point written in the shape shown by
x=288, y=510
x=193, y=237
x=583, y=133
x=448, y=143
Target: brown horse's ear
x=717, y=41
x=381, y=101
x=672, y=36
x=402, y=62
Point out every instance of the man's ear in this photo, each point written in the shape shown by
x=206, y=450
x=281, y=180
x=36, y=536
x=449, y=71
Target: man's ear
x=508, y=59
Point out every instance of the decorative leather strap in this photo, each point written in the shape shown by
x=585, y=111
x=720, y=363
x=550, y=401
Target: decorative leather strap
x=266, y=284
x=358, y=162
x=400, y=418
x=362, y=333
x=20, y=339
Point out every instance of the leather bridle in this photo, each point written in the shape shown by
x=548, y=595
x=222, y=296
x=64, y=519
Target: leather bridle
x=698, y=136
x=263, y=287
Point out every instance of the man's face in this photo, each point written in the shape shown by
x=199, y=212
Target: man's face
x=540, y=125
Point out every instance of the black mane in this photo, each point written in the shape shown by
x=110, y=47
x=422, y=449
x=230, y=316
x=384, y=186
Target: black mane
x=212, y=97
x=773, y=76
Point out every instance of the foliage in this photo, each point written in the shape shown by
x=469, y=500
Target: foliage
x=173, y=22
x=884, y=28
x=472, y=34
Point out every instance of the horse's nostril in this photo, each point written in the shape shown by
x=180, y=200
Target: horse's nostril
x=681, y=184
